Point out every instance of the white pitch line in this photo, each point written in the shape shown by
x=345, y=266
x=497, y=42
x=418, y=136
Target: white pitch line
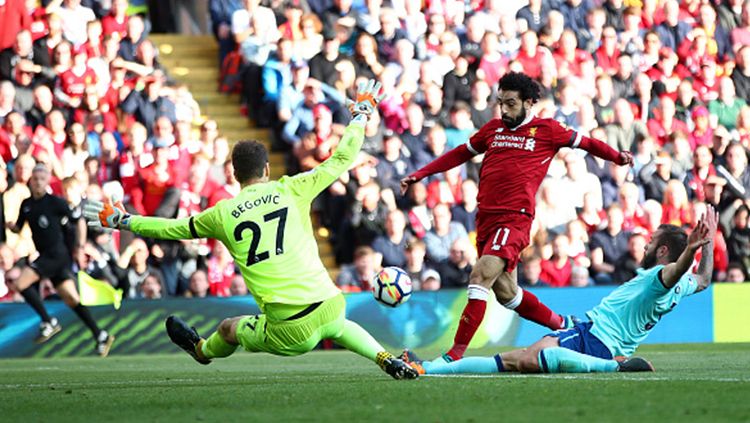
x=591, y=377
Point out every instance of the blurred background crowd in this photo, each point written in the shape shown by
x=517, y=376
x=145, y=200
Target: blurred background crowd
x=82, y=90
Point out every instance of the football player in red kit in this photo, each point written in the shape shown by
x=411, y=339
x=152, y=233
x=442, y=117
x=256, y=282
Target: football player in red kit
x=518, y=149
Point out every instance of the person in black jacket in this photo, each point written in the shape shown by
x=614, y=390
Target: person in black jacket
x=148, y=104
x=47, y=216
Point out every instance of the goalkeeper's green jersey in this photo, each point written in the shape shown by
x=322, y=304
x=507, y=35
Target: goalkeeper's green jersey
x=267, y=229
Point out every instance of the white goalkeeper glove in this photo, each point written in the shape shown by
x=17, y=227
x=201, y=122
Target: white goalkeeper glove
x=106, y=215
x=368, y=98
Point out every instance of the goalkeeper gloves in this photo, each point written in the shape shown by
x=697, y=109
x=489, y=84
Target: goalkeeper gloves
x=367, y=100
x=106, y=215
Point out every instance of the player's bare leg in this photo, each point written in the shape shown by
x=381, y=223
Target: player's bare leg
x=526, y=304
x=69, y=294
x=482, y=279
x=25, y=286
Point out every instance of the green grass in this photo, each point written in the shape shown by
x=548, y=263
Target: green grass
x=699, y=383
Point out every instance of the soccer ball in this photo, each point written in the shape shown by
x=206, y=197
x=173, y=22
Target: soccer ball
x=391, y=286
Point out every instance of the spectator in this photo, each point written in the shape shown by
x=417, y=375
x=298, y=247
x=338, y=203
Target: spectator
x=713, y=188
x=558, y=269
x=627, y=265
x=152, y=287
x=738, y=241
x=531, y=271
x=623, y=132
x=607, y=246
x=25, y=56
x=21, y=243
x=238, y=287
x=147, y=102
x=357, y=277
x=702, y=169
x=443, y=234
x=535, y=15
x=736, y=173
x=672, y=30
x=392, y=244
x=736, y=274
x=323, y=64
x=220, y=271
x=578, y=182
x=255, y=30
x=465, y=211
x=390, y=33
x=134, y=269
x=726, y=108
x=454, y=272
x=656, y=175
x=199, y=285
x=393, y=164
x=579, y=277
x=415, y=266
x=675, y=206
x=741, y=73
x=457, y=83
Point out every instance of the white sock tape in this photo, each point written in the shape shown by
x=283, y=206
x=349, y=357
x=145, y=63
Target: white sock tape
x=478, y=292
x=516, y=301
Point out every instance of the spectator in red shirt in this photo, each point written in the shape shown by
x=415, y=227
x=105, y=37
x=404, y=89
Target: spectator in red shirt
x=706, y=83
x=230, y=188
x=665, y=123
x=117, y=19
x=676, y=209
x=606, y=55
x=13, y=18
x=73, y=82
x=633, y=215
x=220, y=271
x=568, y=57
x=557, y=270
x=157, y=178
x=531, y=55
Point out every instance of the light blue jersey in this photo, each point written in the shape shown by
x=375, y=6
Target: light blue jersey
x=623, y=319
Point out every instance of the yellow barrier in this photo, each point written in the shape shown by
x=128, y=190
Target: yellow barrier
x=731, y=312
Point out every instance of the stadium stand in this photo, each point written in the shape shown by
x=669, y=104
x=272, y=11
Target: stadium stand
x=108, y=106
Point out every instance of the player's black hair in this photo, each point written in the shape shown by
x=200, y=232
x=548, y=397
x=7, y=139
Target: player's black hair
x=675, y=238
x=526, y=87
x=249, y=158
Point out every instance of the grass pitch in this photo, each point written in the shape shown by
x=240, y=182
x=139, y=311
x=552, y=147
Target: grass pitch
x=701, y=383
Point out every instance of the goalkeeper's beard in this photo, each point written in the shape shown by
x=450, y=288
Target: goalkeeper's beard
x=511, y=122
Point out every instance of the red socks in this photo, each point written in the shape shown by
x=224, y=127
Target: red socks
x=527, y=305
x=471, y=318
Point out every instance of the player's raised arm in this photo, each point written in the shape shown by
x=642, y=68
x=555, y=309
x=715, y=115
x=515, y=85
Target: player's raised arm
x=310, y=184
x=701, y=236
x=598, y=148
x=456, y=157
x=114, y=216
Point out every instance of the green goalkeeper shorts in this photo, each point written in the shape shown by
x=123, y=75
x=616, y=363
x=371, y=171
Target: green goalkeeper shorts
x=259, y=333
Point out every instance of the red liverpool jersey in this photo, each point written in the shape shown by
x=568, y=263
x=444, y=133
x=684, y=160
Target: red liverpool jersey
x=516, y=161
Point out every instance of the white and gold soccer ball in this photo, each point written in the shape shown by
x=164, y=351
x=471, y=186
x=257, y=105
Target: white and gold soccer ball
x=391, y=286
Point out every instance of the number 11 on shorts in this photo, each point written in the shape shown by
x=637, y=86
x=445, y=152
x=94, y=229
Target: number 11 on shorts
x=502, y=235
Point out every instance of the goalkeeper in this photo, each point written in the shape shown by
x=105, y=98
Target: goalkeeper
x=267, y=229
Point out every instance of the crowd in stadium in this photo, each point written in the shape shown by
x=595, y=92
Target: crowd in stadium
x=82, y=91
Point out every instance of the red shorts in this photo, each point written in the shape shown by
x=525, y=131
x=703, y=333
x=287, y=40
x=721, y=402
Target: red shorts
x=504, y=235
